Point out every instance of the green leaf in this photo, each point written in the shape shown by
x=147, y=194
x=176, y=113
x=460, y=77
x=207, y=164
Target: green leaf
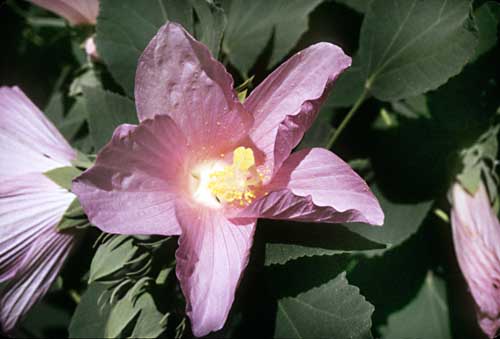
x=479, y=161
x=45, y=318
x=306, y=240
x=487, y=19
x=430, y=133
x=349, y=86
x=335, y=308
x=125, y=27
x=63, y=176
x=133, y=316
x=402, y=220
x=138, y=305
x=74, y=216
x=376, y=278
x=106, y=111
x=320, y=131
x=121, y=315
x=55, y=108
x=416, y=48
x=111, y=257
x=211, y=24
x=71, y=124
x=426, y=316
x=358, y=5
x=87, y=78
x=150, y=323
x=251, y=24
x=92, y=313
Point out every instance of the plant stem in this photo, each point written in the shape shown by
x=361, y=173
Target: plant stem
x=75, y=296
x=347, y=118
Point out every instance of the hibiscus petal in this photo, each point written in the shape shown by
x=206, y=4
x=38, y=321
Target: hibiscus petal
x=316, y=185
x=30, y=205
x=28, y=141
x=75, y=11
x=132, y=187
x=286, y=103
x=177, y=76
x=212, y=254
x=44, y=261
x=476, y=235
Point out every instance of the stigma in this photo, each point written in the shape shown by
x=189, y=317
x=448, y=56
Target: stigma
x=218, y=183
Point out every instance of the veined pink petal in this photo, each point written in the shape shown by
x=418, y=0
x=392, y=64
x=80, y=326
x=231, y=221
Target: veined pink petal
x=31, y=250
x=75, y=11
x=28, y=141
x=134, y=183
x=286, y=103
x=476, y=236
x=212, y=254
x=30, y=205
x=37, y=273
x=177, y=76
x=316, y=185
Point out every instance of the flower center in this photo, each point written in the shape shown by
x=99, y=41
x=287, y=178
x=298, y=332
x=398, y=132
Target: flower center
x=236, y=183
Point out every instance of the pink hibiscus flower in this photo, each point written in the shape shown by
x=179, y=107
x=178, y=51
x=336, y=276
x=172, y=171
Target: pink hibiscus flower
x=31, y=250
x=204, y=166
x=476, y=236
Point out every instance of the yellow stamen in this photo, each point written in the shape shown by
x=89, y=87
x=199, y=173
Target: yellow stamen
x=236, y=183
x=243, y=158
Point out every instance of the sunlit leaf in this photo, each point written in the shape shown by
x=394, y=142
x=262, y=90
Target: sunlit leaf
x=335, y=308
x=112, y=256
x=416, y=48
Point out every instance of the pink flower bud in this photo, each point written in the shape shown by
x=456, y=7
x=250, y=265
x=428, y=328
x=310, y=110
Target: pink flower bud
x=476, y=236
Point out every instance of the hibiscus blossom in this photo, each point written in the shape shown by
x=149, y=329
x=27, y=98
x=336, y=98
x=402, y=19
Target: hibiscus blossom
x=204, y=166
x=476, y=236
x=31, y=205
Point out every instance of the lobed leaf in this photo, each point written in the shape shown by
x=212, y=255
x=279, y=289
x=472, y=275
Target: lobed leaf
x=106, y=111
x=417, y=47
x=252, y=24
x=333, y=308
x=125, y=27
x=111, y=257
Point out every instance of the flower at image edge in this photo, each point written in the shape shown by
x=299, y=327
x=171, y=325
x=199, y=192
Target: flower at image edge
x=476, y=237
x=32, y=251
